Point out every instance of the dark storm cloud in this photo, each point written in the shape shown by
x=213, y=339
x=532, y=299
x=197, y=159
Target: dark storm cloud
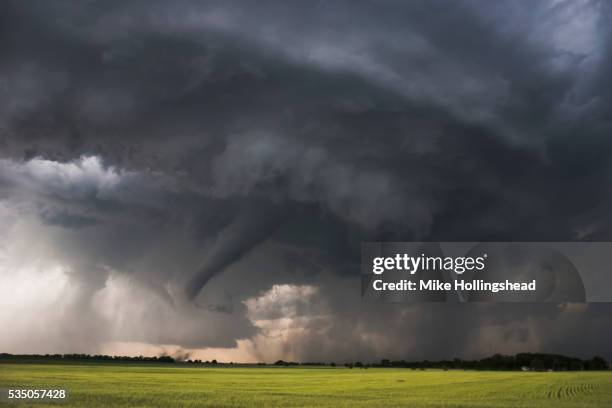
x=362, y=106
x=221, y=126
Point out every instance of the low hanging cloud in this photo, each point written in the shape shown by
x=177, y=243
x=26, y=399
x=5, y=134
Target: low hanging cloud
x=167, y=170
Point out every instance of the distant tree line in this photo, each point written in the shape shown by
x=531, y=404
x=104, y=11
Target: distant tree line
x=85, y=357
x=207, y=362
x=522, y=361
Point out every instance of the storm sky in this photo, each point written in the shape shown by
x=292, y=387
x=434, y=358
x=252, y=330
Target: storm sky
x=196, y=178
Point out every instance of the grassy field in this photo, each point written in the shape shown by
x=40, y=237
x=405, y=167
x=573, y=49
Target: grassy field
x=130, y=385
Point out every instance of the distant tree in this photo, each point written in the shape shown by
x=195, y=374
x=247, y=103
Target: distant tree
x=576, y=365
x=596, y=363
x=537, y=364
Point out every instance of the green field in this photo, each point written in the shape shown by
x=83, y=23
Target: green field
x=131, y=385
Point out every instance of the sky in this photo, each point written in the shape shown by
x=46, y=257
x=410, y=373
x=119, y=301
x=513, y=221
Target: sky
x=196, y=178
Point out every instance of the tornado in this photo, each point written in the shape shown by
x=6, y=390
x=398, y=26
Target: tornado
x=253, y=224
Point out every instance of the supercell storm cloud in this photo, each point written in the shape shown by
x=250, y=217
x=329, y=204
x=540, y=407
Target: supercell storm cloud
x=198, y=177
